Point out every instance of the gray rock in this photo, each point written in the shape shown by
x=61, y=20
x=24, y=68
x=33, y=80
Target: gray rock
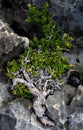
x=76, y=122
x=73, y=108
x=70, y=15
x=17, y=10
x=75, y=56
x=79, y=42
x=76, y=118
x=11, y=45
x=58, y=106
x=5, y=96
x=25, y=118
x=53, y=103
x=7, y=122
x=77, y=102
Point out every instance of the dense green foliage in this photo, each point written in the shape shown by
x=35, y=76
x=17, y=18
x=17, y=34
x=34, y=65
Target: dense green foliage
x=45, y=52
x=21, y=91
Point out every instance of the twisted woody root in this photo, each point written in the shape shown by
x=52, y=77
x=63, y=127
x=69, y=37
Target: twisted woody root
x=40, y=94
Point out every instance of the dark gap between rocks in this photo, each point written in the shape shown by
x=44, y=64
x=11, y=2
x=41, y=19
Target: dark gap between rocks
x=81, y=9
x=77, y=60
x=29, y=30
x=6, y=4
x=74, y=79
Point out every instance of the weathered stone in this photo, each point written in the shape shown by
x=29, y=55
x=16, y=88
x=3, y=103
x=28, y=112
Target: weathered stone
x=21, y=110
x=76, y=122
x=58, y=106
x=11, y=45
x=77, y=102
x=77, y=108
x=7, y=122
x=74, y=106
x=70, y=15
x=75, y=56
x=5, y=96
x=79, y=42
x=53, y=103
x=17, y=9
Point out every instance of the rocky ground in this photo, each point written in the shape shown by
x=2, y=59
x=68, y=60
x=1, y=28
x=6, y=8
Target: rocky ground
x=65, y=106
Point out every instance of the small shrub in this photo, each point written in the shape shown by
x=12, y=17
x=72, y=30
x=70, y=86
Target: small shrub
x=43, y=53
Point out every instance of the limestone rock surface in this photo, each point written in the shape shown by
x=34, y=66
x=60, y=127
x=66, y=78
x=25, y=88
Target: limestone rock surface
x=75, y=56
x=11, y=45
x=67, y=13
